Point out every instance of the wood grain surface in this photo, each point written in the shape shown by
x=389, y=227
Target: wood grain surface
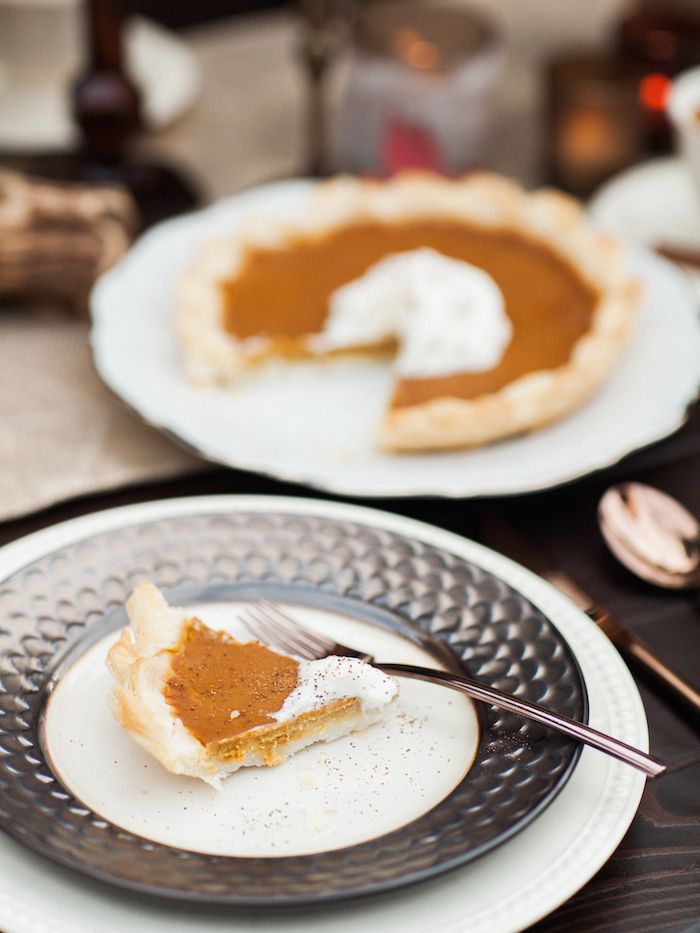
x=652, y=881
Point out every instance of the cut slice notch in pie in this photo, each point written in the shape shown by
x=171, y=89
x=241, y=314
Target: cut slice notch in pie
x=270, y=290
x=205, y=704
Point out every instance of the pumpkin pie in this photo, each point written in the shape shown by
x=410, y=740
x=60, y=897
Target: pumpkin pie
x=206, y=704
x=272, y=290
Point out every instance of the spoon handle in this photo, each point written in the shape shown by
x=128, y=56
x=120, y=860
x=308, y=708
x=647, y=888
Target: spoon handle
x=627, y=641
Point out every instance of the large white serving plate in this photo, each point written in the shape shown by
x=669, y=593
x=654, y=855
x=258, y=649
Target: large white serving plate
x=524, y=879
x=315, y=424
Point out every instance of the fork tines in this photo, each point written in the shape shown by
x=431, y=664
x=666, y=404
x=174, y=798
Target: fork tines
x=269, y=623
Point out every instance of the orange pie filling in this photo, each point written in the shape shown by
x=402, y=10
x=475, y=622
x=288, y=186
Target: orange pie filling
x=219, y=687
x=226, y=693
x=283, y=294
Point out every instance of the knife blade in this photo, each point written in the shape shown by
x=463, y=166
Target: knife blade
x=630, y=644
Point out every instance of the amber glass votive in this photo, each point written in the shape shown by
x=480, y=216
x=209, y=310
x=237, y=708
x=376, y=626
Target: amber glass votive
x=593, y=125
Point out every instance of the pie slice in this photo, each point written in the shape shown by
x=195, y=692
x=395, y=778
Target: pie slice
x=205, y=704
x=271, y=289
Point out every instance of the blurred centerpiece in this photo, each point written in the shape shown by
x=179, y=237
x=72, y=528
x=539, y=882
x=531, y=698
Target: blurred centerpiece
x=414, y=89
x=84, y=83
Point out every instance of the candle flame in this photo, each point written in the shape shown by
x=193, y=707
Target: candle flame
x=654, y=90
x=409, y=45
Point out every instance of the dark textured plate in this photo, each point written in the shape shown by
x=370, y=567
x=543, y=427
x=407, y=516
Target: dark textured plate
x=53, y=608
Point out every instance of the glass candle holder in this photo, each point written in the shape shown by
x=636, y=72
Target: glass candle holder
x=414, y=90
x=594, y=129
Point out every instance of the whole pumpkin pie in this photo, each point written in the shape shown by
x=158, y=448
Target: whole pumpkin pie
x=501, y=310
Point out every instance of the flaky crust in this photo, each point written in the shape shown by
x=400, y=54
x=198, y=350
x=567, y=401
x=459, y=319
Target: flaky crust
x=533, y=400
x=140, y=663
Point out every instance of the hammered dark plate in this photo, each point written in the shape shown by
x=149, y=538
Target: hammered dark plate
x=53, y=608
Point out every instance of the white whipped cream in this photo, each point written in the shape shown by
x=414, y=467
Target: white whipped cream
x=320, y=682
x=447, y=315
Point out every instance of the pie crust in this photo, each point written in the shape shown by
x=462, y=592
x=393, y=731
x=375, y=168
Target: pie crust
x=545, y=217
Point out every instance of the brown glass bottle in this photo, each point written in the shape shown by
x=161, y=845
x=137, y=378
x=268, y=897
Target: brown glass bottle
x=106, y=103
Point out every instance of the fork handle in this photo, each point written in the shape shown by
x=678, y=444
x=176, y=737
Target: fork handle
x=651, y=766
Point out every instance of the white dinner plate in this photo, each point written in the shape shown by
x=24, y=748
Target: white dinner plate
x=315, y=424
x=524, y=879
x=656, y=203
x=323, y=800
x=651, y=203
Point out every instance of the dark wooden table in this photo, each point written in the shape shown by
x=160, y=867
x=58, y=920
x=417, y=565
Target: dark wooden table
x=652, y=882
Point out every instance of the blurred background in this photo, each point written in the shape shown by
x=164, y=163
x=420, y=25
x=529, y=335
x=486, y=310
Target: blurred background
x=185, y=102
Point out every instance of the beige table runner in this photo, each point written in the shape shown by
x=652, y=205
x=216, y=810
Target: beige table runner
x=62, y=433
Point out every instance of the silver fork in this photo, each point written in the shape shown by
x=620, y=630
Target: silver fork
x=270, y=624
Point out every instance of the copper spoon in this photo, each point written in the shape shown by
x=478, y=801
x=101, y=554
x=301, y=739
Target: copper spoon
x=656, y=538
x=652, y=534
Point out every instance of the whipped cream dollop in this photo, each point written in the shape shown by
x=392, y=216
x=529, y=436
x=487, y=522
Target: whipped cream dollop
x=333, y=678
x=447, y=315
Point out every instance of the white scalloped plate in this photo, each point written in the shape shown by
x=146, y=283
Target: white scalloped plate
x=509, y=889
x=315, y=424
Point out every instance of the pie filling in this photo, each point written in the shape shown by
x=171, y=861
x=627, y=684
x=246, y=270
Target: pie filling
x=284, y=294
x=219, y=687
